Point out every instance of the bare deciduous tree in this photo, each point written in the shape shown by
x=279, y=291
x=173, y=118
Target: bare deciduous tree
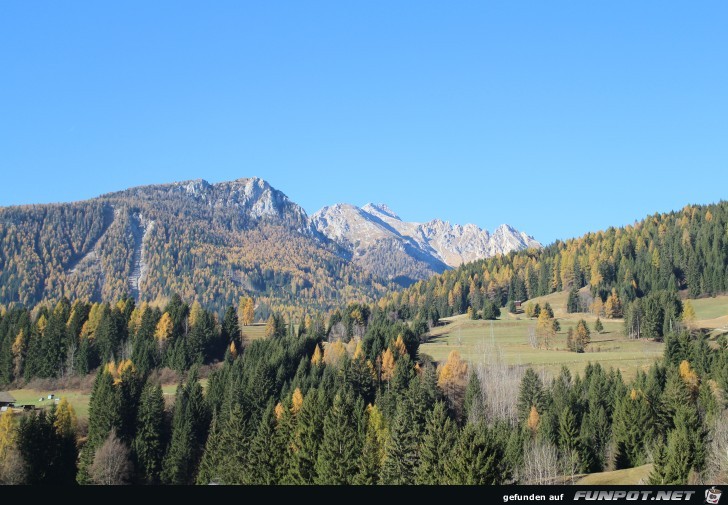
x=716, y=465
x=541, y=463
x=500, y=384
x=12, y=467
x=532, y=338
x=338, y=332
x=112, y=463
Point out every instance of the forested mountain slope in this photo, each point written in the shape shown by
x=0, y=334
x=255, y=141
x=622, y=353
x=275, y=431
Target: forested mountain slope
x=650, y=261
x=209, y=242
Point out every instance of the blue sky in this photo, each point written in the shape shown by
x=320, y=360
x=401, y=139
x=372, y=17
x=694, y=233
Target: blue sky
x=556, y=117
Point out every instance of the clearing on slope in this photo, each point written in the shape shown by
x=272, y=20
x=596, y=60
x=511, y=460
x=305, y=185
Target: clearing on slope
x=510, y=335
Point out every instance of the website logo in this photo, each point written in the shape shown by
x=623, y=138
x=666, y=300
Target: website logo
x=712, y=496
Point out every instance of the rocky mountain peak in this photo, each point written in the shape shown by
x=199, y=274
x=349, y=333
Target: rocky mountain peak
x=380, y=208
x=370, y=233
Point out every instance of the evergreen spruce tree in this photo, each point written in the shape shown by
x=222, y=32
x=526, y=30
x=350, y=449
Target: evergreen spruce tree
x=264, y=463
x=178, y=466
x=572, y=303
x=226, y=451
x=478, y=458
x=370, y=462
x=531, y=394
x=402, y=457
x=679, y=457
x=436, y=445
x=104, y=415
x=473, y=405
x=598, y=326
x=340, y=448
x=190, y=423
x=658, y=476
x=148, y=444
x=307, y=437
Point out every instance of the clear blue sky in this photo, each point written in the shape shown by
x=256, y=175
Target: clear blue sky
x=556, y=117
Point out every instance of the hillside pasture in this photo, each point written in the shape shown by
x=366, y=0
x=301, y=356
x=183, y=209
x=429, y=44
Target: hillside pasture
x=473, y=339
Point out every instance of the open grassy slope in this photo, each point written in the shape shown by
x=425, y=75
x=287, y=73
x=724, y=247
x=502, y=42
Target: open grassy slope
x=629, y=476
x=510, y=335
x=78, y=399
x=712, y=314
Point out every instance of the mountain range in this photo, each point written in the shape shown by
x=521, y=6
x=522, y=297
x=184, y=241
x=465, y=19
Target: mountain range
x=405, y=251
x=217, y=242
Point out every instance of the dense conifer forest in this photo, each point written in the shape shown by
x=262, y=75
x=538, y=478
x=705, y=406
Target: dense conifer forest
x=346, y=397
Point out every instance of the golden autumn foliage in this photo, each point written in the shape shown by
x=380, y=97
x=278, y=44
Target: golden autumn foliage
x=688, y=315
x=233, y=350
x=135, y=320
x=359, y=351
x=454, y=372
x=296, y=401
x=195, y=313
x=534, y=419
x=387, y=365
x=317, y=357
x=399, y=346
x=270, y=327
x=42, y=324
x=613, y=306
x=279, y=411
x=165, y=326
x=7, y=432
x=334, y=352
x=689, y=376
x=65, y=423
x=118, y=371
x=246, y=311
x=376, y=423
x=545, y=328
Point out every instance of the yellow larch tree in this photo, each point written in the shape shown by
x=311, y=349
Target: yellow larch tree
x=387, y=365
x=65, y=422
x=7, y=433
x=296, y=401
x=453, y=378
x=334, y=352
x=399, y=346
x=688, y=315
x=246, y=311
x=42, y=323
x=195, y=313
x=317, y=357
x=545, y=328
x=534, y=419
x=279, y=411
x=164, y=329
x=359, y=351
x=270, y=327
x=18, y=350
x=689, y=376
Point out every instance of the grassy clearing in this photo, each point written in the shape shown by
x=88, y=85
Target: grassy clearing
x=710, y=308
x=712, y=314
x=79, y=400
x=630, y=476
x=510, y=335
x=254, y=331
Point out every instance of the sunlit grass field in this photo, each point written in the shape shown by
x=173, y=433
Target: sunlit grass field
x=510, y=334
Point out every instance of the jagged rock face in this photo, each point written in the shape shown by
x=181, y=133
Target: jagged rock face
x=253, y=197
x=432, y=246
